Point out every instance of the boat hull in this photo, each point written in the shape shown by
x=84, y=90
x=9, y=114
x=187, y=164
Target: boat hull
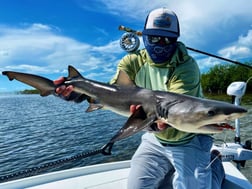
x=109, y=175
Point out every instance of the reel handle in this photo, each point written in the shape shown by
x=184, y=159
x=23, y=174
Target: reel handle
x=123, y=28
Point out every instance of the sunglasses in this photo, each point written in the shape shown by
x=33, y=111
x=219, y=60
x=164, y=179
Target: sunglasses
x=160, y=39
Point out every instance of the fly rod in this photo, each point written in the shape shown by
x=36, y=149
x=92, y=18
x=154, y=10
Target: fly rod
x=139, y=33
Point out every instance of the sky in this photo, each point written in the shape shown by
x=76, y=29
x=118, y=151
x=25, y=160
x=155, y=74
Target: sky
x=43, y=37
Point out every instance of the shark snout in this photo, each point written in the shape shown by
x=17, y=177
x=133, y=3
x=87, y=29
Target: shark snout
x=230, y=112
x=235, y=112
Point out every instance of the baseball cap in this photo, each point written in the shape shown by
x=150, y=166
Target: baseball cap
x=162, y=22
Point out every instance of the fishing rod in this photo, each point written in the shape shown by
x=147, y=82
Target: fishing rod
x=139, y=33
x=219, y=57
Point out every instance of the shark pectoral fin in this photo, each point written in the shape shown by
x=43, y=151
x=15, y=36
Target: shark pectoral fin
x=136, y=122
x=92, y=107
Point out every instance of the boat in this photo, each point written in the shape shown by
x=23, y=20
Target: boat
x=114, y=175
x=106, y=176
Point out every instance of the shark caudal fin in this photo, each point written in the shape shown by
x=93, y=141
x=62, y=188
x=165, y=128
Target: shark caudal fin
x=43, y=85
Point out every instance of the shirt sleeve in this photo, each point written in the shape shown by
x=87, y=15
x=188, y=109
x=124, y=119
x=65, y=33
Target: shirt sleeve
x=129, y=64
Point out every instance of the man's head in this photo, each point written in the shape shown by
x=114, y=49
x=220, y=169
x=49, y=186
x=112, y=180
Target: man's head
x=160, y=34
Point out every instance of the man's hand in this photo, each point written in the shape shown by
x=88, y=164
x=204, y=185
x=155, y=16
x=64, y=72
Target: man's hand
x=160, y=125
x=66, y=92
x=62, y=89
x=133, y=108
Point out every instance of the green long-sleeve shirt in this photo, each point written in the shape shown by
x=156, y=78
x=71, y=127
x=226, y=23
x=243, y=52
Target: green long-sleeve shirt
x=180, y=75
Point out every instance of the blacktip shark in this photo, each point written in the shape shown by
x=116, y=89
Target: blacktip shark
x=183, y=112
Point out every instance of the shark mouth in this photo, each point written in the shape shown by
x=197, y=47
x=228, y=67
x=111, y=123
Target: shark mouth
x=220, y=126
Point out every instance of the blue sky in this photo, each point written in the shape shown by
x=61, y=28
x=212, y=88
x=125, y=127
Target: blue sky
x=43, y=36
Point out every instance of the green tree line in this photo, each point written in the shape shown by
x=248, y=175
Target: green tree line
x=29, y=91
x=219, y=77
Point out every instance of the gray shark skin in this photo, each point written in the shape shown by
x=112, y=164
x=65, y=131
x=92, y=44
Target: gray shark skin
x=183, y=112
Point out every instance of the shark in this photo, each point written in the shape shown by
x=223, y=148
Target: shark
x=183, y=112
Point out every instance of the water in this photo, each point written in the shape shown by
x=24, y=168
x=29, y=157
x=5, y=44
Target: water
x=36, y=130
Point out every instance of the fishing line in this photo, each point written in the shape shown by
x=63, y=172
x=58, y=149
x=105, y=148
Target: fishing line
x=211, y=162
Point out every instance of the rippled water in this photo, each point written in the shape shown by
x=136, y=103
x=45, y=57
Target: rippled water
x=36, y=130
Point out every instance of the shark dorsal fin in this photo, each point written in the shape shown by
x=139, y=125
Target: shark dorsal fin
x=73, y=72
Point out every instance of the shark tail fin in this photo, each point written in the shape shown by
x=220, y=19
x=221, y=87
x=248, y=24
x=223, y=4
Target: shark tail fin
x=43, y=85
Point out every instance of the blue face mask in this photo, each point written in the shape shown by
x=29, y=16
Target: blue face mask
x=159, y=52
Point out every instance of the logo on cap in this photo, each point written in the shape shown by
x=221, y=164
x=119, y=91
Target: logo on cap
x=162, y=21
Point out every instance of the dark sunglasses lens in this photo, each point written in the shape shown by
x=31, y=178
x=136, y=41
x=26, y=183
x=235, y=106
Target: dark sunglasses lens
x=155, y=39
x=158, y=39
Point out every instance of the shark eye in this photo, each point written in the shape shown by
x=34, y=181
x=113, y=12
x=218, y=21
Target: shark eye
x=211, y=113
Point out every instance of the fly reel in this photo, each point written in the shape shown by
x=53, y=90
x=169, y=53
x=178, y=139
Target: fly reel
x=129, y=42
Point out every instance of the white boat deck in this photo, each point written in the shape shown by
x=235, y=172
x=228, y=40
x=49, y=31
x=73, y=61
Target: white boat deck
x=106, y=176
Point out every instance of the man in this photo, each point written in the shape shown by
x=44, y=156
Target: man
x=169, y=158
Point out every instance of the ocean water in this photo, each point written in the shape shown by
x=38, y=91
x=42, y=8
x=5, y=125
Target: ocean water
x=36, y=130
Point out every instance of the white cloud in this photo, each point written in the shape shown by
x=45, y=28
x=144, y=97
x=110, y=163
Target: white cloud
x=39, y=48
x=246, y=40
x=206, y=63
x=242, y=48
x=27, y=67
x=235, y=51
x=205, y=25
x=239, y=49
x=199, y=20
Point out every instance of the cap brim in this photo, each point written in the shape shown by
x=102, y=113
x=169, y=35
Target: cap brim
x=159, y=32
